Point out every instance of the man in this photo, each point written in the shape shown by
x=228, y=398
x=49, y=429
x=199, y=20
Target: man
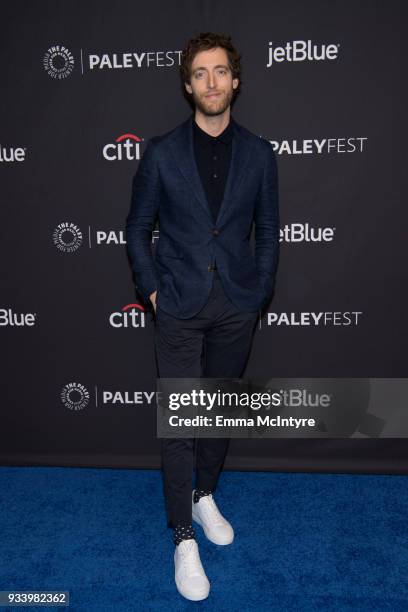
x=206, y=181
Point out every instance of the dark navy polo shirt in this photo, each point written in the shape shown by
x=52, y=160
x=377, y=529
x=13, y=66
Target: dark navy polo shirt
x=213, y=157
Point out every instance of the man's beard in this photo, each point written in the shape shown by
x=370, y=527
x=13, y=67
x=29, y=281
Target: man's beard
x=217, y=106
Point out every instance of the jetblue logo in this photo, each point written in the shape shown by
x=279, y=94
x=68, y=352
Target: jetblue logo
x=303, y=232
x=301, y=51
x=9, y=318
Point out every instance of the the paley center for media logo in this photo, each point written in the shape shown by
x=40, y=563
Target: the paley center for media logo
x=75, y=396
x=58, y=62
x=67, y=237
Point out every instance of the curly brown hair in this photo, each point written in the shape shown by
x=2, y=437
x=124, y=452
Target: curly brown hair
x=203, y=42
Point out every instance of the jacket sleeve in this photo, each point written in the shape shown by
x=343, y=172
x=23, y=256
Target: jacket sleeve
x=141, y=220
x=267, y=223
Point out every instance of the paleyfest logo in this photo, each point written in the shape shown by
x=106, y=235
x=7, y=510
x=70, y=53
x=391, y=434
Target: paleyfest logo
x=58, y=62
x=322, y=146
x=308, y=319
x=144, y=59
x=67, y=237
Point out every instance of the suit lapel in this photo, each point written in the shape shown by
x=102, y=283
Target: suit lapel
x=183, y=151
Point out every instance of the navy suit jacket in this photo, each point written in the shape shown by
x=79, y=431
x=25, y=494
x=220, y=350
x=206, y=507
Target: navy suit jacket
x=167, y=186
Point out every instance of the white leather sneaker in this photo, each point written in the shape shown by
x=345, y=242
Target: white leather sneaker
x=189, y=574
x=217, y=529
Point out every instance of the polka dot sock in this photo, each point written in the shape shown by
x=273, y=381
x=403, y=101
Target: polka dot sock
x=198, y=493
x=183, y=532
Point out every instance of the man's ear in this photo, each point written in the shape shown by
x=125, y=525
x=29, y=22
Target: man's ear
x=235, y=83
x=188, y=87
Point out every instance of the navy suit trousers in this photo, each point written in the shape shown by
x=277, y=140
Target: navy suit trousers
x=215, y=343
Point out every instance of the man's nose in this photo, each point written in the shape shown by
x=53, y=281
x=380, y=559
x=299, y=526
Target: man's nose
x=211, y=80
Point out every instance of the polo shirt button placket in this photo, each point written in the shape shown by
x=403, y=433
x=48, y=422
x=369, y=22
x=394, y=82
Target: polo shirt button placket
x=215, y=174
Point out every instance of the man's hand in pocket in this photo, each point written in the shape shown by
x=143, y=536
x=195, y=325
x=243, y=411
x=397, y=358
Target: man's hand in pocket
x=153, y=300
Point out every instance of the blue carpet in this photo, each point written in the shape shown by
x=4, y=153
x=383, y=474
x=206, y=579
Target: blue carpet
x=303, y=541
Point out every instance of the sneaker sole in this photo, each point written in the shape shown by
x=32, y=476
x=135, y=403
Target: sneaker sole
x=193, y=597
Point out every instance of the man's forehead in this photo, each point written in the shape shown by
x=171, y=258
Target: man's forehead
x=210, y=58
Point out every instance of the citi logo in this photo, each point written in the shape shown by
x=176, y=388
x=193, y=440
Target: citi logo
x=303, y=232
x=8, y=318
x=126, y=146
x=12, y=154
x=300, y=51
x=131, y=315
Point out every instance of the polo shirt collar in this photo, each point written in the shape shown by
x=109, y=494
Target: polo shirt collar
x=225, y=136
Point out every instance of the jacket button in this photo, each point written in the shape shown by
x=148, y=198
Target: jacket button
x=215, y=232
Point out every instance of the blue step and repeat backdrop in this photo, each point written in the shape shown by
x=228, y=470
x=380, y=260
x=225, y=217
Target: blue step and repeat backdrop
x=84, y=87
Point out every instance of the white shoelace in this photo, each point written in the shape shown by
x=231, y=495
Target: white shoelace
x=210, y=508
x=191, y=559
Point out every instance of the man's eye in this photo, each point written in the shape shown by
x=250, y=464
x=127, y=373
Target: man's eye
x=198, y=75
